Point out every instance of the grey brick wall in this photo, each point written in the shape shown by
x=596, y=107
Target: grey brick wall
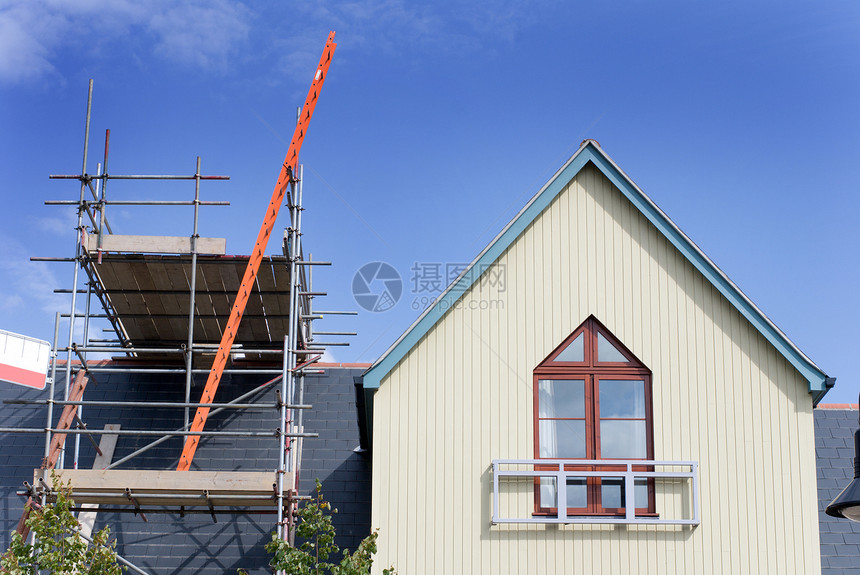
x=168, y=544
x=834, y=456
x=19, y=454
x=343, y=472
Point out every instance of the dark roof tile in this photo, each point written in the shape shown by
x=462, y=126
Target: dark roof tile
x=840, y=538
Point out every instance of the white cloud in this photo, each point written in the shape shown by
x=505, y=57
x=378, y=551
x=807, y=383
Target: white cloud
x=29, y=304
x=62, y=225
x=23, y=55
x=208, y=34
x=10, y=302
x=397, y=26
x=216, y=28
x=33, y=33
x=328, y=357
x=28, y=286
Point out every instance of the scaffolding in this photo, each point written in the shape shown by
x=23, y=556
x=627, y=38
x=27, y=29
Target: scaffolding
x=166, y=300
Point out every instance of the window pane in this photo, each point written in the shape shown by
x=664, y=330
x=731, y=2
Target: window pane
x=612, y=493
x=608, y=352
x=561, y=398
x=575, y=350
x=577, y=492
x=640, y=490
x=622, y=398
x=623, y=439
x=547, y=492
x=562, y=438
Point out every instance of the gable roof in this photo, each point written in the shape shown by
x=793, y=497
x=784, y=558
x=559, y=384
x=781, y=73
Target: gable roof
x=591, y=152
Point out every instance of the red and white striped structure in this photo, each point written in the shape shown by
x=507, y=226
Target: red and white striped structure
x=23, y=360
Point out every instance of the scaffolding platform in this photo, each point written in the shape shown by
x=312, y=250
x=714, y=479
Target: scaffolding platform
x=143, y=489
x=148, y=296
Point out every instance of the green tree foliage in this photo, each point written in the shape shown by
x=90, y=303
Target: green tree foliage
x=59, y=549
x=316, y=553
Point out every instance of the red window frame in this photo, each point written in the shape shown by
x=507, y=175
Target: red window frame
x=592, y=371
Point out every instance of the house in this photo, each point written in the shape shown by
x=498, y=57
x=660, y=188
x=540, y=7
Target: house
x=593, y=330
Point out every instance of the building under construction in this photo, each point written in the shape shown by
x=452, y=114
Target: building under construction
x=184, y=427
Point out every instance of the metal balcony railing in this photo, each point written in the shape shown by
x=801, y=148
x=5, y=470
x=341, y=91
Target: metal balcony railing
x=556, y=469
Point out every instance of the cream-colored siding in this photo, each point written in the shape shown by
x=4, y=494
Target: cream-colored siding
x=722, y=396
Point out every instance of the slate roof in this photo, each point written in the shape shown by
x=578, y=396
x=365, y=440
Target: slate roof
x=834, y=459
x=168, y=544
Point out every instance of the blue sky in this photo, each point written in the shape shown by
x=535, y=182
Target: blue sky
x=438, y=121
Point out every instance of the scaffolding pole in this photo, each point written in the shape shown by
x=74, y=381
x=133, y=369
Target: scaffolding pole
x=293, y=248
x=295, y=445
x=154, y=404
x=50, y=422
x=190, y=345
x=78, y=254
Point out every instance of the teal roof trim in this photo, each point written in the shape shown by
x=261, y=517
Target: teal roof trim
x=590, y=152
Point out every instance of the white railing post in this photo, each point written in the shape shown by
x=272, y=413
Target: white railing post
x=561, y=492
x=629, y=499
x=495, y=493
x=694, y=469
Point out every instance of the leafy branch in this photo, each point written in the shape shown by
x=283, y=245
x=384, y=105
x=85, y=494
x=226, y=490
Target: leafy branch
x=59, y=548
x=313, y=556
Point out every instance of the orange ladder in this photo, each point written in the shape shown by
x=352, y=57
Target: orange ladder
x=285, y=178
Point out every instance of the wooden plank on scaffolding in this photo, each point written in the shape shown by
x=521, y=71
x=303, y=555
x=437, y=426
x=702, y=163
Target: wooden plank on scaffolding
x=171, y=279
x=254, y=307
x=150, y=296
x=109, y=283
x=221, y=293
x=154, y=244
x=206, y=326
x=219, y=297
x=169, y=488
x=58, y=440
x=231, y=278
x=275, y=285
x=267, y=284
x=154, y=303
x=125, y=273
x=107, y=445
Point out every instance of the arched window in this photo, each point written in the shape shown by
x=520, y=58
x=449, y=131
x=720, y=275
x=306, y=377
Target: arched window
x=592, y=401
